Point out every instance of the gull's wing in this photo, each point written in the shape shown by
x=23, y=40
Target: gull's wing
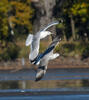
x=55, y=42
x=41, y=34
x=36, y=44
x=34, y=48
x=33, y=54
x=50, y=24
x=29, y=40
x=44, y=29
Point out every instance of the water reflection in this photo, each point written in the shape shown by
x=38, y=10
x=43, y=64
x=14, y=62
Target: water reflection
x=44, y=84
x=9, y=85
x=54, y=78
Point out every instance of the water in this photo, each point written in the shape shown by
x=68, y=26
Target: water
x=52, y=74
x=63, y=84
x=56, y=97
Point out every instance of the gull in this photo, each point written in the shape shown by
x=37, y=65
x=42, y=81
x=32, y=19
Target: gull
x=48, y=55
x=43, y=65
x=34, y=40
x=48, y=50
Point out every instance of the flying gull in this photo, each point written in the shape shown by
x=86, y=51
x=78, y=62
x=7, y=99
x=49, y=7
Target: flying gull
x=34, y=40
x=48, y=50
x=48, y=55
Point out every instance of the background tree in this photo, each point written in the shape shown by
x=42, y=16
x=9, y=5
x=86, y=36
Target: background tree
x=77, y=11
x=76, y=15
x=4, y=6
x=21, y=14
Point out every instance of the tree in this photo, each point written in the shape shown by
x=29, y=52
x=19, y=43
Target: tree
x=78, y=13
x=4, y=6
x=21, y=13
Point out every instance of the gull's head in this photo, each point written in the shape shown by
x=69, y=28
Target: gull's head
x=40, y=73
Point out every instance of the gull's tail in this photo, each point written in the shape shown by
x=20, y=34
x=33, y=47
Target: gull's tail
x=54, y=56
x=29, y=40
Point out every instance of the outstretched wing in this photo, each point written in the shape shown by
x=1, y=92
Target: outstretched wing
x=50, y=24
x=36, y=44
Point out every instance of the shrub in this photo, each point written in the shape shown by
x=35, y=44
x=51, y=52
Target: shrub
x=10, y=52
x=85, y=53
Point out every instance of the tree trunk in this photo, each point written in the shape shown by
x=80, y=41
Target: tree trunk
x=44, y=14
x=73, y=28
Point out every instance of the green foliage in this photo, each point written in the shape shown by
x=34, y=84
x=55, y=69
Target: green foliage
x=19, y=12
x=73, y=48
x=4, y=6
x=85, y=52
x=78, y=12
x=21, y=15
x=76, y=8
x=65, y=49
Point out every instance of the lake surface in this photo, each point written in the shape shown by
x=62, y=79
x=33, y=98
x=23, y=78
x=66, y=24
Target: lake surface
x=63, y=84
x=53, y=97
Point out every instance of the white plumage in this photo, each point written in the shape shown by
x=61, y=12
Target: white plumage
x=34, y=40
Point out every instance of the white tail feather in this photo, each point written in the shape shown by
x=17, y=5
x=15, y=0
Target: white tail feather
x=54, y=56
x=29, y=40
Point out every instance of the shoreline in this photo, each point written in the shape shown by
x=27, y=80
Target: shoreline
x=61, y=62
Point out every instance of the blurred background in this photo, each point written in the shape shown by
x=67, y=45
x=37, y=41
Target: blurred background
x=18, y=18
x=29, y=16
